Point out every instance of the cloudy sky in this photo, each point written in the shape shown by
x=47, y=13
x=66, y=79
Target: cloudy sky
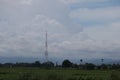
x=76, y=28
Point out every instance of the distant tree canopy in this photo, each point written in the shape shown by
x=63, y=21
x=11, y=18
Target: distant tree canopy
x=66, y=63
x=36, y=64
x=48, y=64
x=89, y=66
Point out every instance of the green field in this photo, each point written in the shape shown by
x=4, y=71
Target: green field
x=55, y=74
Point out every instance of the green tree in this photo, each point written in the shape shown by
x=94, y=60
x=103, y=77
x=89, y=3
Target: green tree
x=66, y=63
x=89, y=66
x=37, y=64
x=81, y=60
x=102, y=60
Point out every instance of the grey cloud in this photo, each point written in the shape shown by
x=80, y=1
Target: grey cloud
x=82, y=1
x=99, y=14
x=23, y=26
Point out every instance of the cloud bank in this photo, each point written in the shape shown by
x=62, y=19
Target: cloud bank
x=23, y=24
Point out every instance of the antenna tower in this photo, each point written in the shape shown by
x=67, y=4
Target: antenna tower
x=46, y=49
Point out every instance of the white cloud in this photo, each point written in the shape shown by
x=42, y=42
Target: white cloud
x=108, y=32
x=23, y=27
x=94, y=42
x=102, y=14
x=106, y=39
x=82, y=1
x=28, y=2
x=29, y=39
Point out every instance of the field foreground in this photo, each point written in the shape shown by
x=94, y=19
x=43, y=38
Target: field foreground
x=55, y=74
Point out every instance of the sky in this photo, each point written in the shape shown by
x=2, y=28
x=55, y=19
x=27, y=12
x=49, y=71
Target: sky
x=77, y=29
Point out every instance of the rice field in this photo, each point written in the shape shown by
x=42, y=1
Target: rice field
x=57, y=74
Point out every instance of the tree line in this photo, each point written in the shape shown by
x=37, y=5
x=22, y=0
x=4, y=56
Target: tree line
x=66, y=64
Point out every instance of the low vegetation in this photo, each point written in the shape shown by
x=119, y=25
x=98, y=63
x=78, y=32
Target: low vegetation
x=66, y=71
x=57, y=74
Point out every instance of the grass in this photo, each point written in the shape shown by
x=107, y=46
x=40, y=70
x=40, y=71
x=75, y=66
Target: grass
x=54, y=74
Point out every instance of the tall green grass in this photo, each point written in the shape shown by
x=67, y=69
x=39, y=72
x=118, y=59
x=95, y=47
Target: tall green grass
x=54, y=74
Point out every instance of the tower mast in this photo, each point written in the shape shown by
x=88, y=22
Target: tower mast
x=46, y=49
